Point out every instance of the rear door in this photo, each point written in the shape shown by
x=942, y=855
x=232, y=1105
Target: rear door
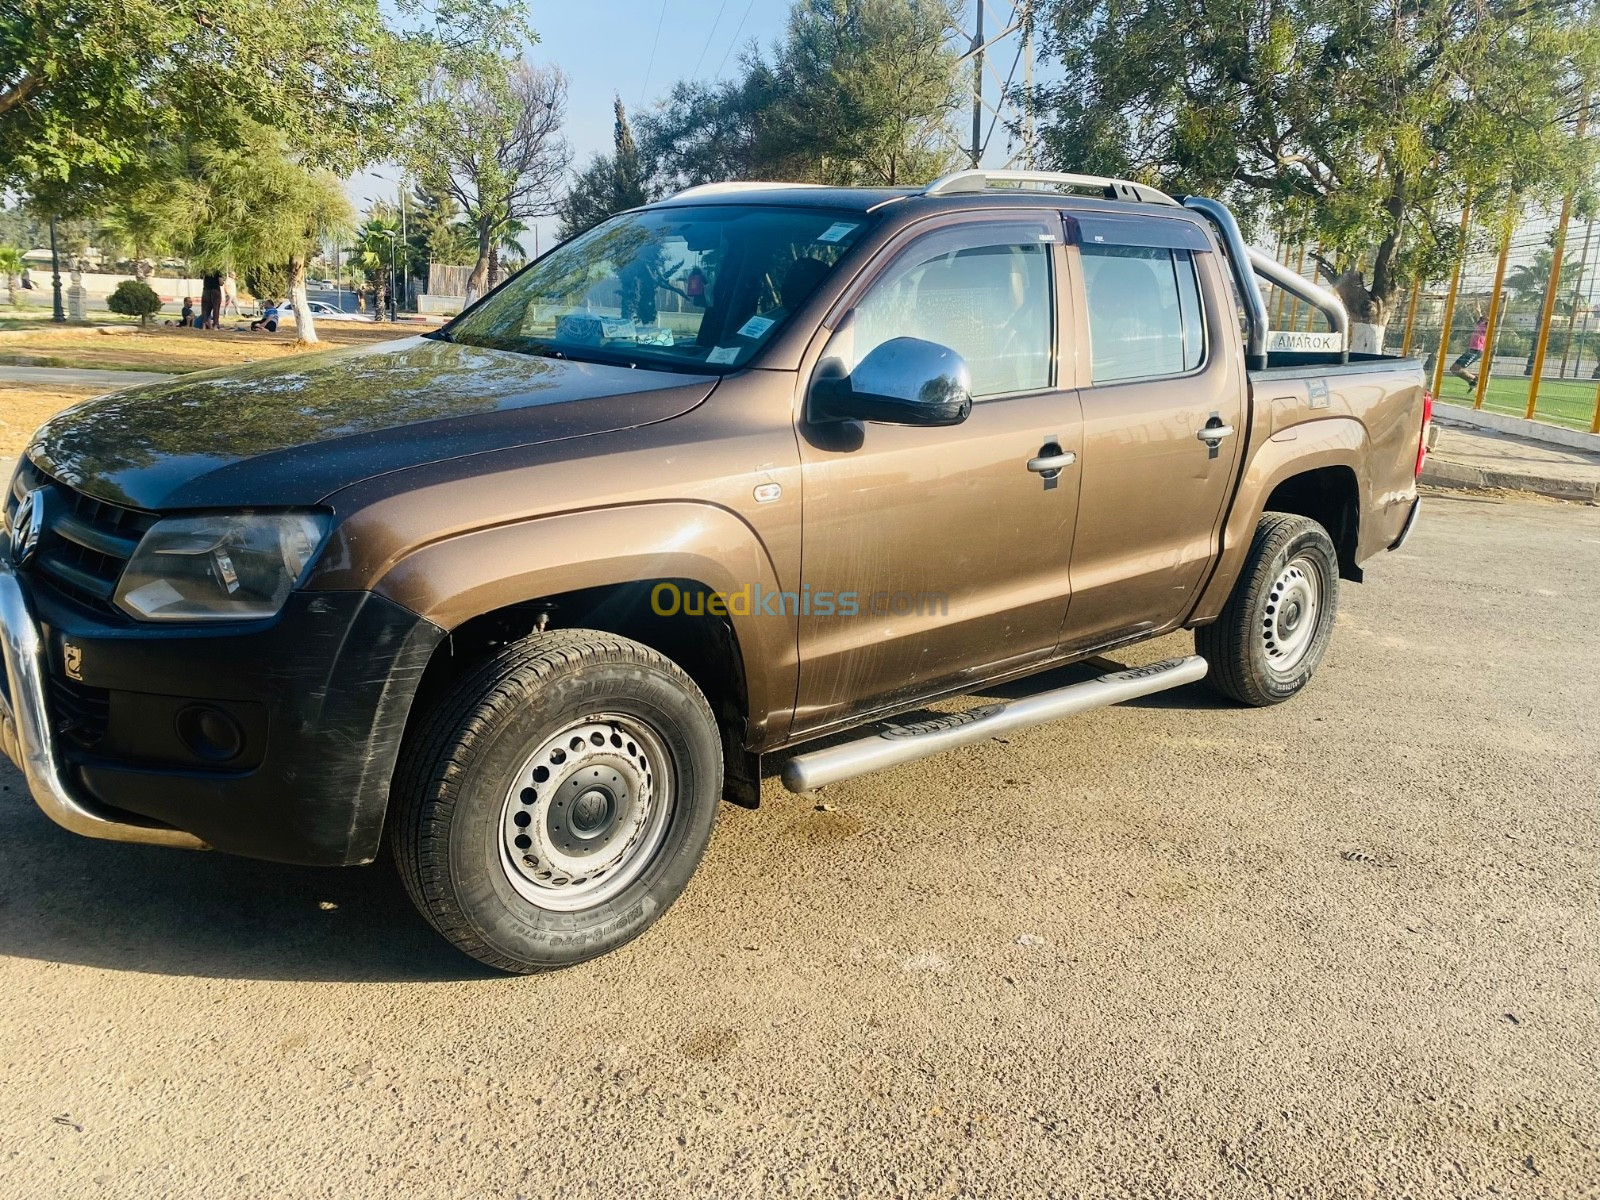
x=1163, y=420
x=938, y=555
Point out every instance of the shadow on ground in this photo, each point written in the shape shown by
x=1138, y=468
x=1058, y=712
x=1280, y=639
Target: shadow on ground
x=69, y=899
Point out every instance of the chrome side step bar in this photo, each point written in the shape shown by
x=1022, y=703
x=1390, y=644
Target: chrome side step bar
x=896, y=744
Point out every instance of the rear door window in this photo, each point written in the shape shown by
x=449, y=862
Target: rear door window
x=1145, y=316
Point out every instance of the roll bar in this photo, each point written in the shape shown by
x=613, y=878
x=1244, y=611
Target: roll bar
x=1244, y=277
x=1313, y=294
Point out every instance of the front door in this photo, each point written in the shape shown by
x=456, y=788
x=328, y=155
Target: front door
x=1163, y=420
x=937, y=555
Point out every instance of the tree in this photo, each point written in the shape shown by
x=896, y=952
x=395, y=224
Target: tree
x=506, y=252
x=866, y=91
x=857, y=92
x=266, y=281
x=705, y=133
x=84, y=91
x=134, y=299
x=610, y=184
x=11, y=267
x=437, y=232
x=1526, y=281
x=489, y=136
x=374, y=253
x=144, y=221
x=1360, y=125
x=259, y=202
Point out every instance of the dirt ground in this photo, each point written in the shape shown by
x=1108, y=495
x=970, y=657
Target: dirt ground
x=1343, y=947
x=169, y=348
x=24, y=407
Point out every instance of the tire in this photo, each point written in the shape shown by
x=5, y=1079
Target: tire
x=1266, y=646
x=554, y=803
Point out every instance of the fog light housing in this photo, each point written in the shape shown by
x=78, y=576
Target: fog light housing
x=210, y=733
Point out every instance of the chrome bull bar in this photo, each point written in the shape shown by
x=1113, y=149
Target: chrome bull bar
x=28, y=740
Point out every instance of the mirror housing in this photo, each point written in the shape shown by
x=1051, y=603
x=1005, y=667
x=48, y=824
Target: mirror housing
x=905, y=381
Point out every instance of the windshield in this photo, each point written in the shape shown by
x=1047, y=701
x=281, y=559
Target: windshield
x=690, y=288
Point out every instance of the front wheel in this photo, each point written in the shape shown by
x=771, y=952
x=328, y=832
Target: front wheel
x=1276, y=625
x=557, y=800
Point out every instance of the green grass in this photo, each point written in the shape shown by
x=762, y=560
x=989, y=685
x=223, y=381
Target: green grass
x=1568, y=402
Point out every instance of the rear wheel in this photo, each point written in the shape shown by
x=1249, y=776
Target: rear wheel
x=1275, y=628
x=555, y=803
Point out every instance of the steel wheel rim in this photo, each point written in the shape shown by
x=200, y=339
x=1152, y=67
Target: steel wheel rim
x=1293, y=610
x=586, y=812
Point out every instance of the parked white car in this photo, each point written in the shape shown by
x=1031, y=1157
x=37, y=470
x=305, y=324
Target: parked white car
x=321, y=310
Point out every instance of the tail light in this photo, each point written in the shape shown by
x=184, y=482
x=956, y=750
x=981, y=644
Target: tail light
x=1427, y=422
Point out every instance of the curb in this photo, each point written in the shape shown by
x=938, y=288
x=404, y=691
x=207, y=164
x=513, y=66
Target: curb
x=1533, y=431
x=1440, y=473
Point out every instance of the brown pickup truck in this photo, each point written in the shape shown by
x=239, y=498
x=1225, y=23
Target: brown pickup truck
x=528, y=596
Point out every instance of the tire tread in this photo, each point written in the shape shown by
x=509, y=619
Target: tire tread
x=445, y=736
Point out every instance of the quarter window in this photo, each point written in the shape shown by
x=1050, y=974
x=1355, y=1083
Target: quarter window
x=1145, y=317
x=983, y=291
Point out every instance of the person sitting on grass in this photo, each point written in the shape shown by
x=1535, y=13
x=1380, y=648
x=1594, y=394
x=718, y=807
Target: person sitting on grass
x=186, y=317
x=268, y=319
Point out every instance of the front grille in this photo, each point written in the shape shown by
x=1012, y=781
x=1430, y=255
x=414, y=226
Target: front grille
x=84, y=543
x=79, y=712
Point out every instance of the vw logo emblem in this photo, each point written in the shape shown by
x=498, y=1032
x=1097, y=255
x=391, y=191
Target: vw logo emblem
x=27, y=523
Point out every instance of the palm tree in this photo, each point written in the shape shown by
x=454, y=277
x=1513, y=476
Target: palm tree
x=506, y=244
x=375, y=252
x=1528, y=281
x=11, y=266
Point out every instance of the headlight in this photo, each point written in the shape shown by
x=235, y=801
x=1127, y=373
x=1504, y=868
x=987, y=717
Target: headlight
x=223, y=567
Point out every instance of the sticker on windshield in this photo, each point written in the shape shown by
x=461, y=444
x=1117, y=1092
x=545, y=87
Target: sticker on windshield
x=756, y=326
x=723, y=354
x=838, y=231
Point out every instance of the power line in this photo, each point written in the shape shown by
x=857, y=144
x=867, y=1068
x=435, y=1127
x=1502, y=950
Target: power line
x=649, y=66
x=735, y=41
x=695, y=74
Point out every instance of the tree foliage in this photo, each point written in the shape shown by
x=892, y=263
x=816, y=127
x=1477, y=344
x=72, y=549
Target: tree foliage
x=134, y=299
x=437, y=231
x=488, y=135
x=88, y=87
x=867, y=89
x=856, y=92
x=1359, y=125
x=610, y=184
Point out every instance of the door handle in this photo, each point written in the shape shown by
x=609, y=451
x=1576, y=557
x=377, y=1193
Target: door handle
x=1215, y=433
x=1046, y=463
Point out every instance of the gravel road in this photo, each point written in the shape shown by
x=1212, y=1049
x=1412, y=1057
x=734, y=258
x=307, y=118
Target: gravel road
x=1343, y=947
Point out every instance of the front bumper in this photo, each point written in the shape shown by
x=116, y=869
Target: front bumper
x=28, y=740
x=322, y=693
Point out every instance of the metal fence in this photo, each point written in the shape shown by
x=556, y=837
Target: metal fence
x=1516, y=263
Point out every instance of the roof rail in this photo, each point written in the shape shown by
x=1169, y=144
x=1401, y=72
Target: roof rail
x=1112, y=189
x=716, y=189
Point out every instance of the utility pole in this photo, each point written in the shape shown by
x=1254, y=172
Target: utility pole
x=977, y=87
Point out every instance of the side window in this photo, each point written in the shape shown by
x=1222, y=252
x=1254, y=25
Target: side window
x=983, y=291
x=1145, y=316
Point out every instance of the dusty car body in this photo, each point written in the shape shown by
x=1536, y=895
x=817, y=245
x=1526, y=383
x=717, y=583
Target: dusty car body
x=1067, y=435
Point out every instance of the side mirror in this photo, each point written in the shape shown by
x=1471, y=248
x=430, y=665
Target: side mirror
x=905, y=381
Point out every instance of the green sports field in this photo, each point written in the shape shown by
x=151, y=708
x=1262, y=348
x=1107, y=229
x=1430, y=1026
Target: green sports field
x=1568, y=402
